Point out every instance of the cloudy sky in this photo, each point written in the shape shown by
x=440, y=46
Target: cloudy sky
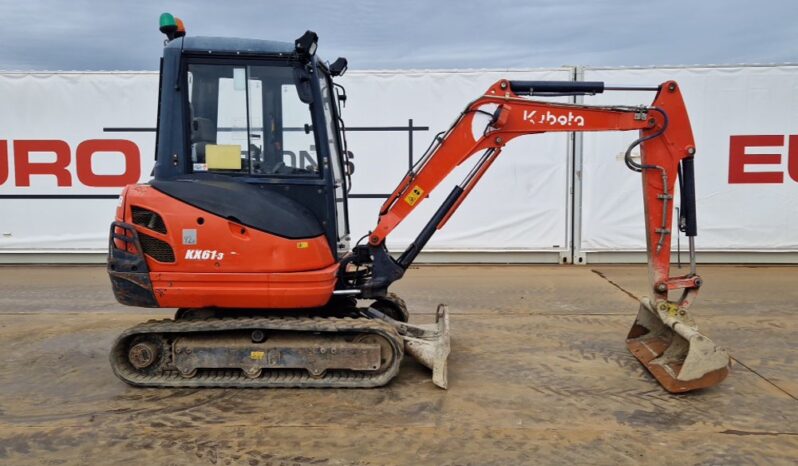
x=116, y=35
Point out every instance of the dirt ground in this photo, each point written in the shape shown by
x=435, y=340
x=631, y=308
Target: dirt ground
x=539, y=374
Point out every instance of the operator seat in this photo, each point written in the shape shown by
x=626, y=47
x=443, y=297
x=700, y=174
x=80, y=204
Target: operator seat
x=203, y=132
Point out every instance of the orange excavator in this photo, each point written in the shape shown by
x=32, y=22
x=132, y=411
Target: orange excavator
x=244, y=226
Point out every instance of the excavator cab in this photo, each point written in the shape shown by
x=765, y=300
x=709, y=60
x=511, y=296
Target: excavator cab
x=248, y=184
x=253, y=113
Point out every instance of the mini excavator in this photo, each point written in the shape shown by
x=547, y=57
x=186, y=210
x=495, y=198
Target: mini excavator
x=244, y=225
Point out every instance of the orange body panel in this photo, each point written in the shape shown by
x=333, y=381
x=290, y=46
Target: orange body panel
x=245, y=290
x=228, y=264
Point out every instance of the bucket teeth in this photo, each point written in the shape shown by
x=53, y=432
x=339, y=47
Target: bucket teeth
x=669, y=345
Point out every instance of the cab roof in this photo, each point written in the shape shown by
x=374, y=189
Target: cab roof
x=205, y=44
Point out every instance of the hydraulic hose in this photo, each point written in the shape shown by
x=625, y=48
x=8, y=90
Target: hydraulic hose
x=638, y=167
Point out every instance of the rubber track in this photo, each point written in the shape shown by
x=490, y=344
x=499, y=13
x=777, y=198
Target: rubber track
x=286, y=378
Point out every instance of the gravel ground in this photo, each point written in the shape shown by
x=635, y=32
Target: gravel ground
x=539, y=374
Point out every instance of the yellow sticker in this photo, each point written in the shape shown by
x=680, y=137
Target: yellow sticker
x=302, y=245
x=415, y=195
x=223, y=156
x=256, y=355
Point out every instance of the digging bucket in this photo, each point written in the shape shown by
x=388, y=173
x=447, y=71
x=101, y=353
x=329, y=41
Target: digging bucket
x=667, y=342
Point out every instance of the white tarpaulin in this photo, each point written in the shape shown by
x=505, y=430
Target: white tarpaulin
x=46, y=120
x=59, y=173
x=520, y=203
x=738, y=114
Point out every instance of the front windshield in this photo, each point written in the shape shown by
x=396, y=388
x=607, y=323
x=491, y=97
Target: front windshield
x=249, y=120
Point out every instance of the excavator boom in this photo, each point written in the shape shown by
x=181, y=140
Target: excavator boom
x=663, y=338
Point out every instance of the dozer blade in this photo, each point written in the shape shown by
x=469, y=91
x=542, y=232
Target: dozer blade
x=430, y=345
x=666, y=341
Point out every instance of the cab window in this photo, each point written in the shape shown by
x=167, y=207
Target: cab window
x=249, y=120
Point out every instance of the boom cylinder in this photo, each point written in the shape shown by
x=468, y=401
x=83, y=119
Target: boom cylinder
x=415, y=248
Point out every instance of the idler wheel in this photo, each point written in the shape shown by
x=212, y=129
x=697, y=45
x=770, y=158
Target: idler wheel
x=386, y=350
x=143, y=354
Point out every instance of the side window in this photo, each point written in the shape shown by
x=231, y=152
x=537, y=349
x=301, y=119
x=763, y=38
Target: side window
x=218, y=111
x=249, y=120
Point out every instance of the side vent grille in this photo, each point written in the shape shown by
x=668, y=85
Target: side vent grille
x=148, y=219
x=157, y=249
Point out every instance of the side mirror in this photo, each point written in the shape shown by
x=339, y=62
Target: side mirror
x=338, y=67
x=303, y=87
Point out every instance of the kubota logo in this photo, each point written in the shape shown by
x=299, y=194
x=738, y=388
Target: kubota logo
x=62, y=168
x=553, y=119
